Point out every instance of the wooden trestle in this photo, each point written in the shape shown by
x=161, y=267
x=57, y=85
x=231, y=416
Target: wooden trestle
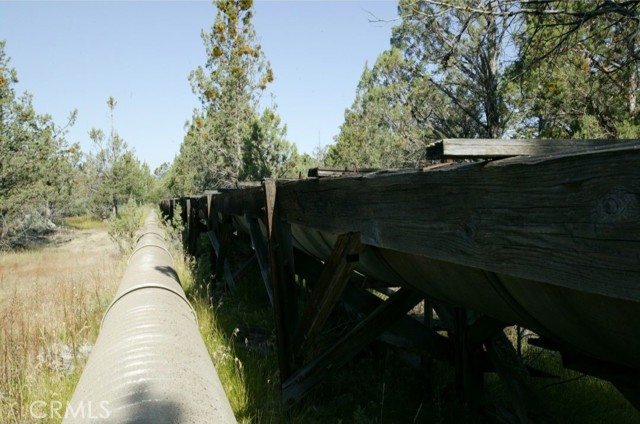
x=566, y=222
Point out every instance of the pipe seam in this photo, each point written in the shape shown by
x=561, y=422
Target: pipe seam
x=151, y=245
x=147, y=286
x=158, y=233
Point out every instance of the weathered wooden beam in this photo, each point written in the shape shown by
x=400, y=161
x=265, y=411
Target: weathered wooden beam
x=248, y=184
x=484, y=328
x=350, y=344
x=261, y=254
x=468, y=361
x=191, y=226
x=282, y=270
x=503, y=217
x=195, y=212
x=249, y=201
x=336, y=172
x=478, y=148
x=222, y=268
x=243, y=268
x=332, y=281
x=406, y=332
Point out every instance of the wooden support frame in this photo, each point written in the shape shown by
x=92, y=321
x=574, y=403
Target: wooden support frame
x=282, y=279
x=225, y=232
x=187, y=223
x=261, y=254
x=406, y=332
x=332, y=281
x=468, y=361
x=221, y=247
x=354, y=341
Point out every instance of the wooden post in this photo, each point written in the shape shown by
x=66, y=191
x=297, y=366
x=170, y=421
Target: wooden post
x=193, y=210
x=187, y=223
x=468, y=361
x=212, y=227
x=282, y=278
x=225, y=238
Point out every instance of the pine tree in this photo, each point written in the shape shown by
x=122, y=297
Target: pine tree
x=228, y=86
x=37, y=166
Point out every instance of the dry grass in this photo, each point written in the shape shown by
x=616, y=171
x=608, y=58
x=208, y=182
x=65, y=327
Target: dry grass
x=51, y=303
x=84, y=222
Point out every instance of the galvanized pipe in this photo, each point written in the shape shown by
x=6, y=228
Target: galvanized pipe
x=149, y=364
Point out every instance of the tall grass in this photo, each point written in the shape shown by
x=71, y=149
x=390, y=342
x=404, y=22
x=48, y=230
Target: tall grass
x=236, y=370
x=84, y=222
x=51, y=303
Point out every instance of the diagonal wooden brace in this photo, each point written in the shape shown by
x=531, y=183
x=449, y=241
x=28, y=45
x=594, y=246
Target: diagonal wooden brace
x=350, y=344
x=261, y=253
x=331, y=283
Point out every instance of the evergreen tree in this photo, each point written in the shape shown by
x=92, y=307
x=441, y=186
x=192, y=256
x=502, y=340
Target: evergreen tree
x=228, y=87
x=267, y=153
x=227, y=139
x=114, y=172
x=380, y=129
x=461, y=54
x=37, y=166
x=587, y=86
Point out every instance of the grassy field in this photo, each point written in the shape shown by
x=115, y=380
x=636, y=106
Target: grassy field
x=377, y=387
x=51, y=302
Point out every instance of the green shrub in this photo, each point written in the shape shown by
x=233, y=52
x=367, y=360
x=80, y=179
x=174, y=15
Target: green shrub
x=125, y=225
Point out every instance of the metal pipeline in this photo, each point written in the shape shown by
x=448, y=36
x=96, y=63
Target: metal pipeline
x=149, y=364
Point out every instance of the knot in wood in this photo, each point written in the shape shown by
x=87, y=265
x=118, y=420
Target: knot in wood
x=470, y=230
x=611, y=205
x=616, y=201
x=618, y=205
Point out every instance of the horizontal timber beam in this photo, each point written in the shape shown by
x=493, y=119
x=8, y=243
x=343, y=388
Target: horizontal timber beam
x=568, y=220
x=246, y=201
x=478, y=148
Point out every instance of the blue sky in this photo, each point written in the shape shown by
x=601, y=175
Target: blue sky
x=73, y=55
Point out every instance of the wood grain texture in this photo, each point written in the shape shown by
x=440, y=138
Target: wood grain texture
x=249, y=201
x=461, y=148
x=568, y=220
x=261, y=254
